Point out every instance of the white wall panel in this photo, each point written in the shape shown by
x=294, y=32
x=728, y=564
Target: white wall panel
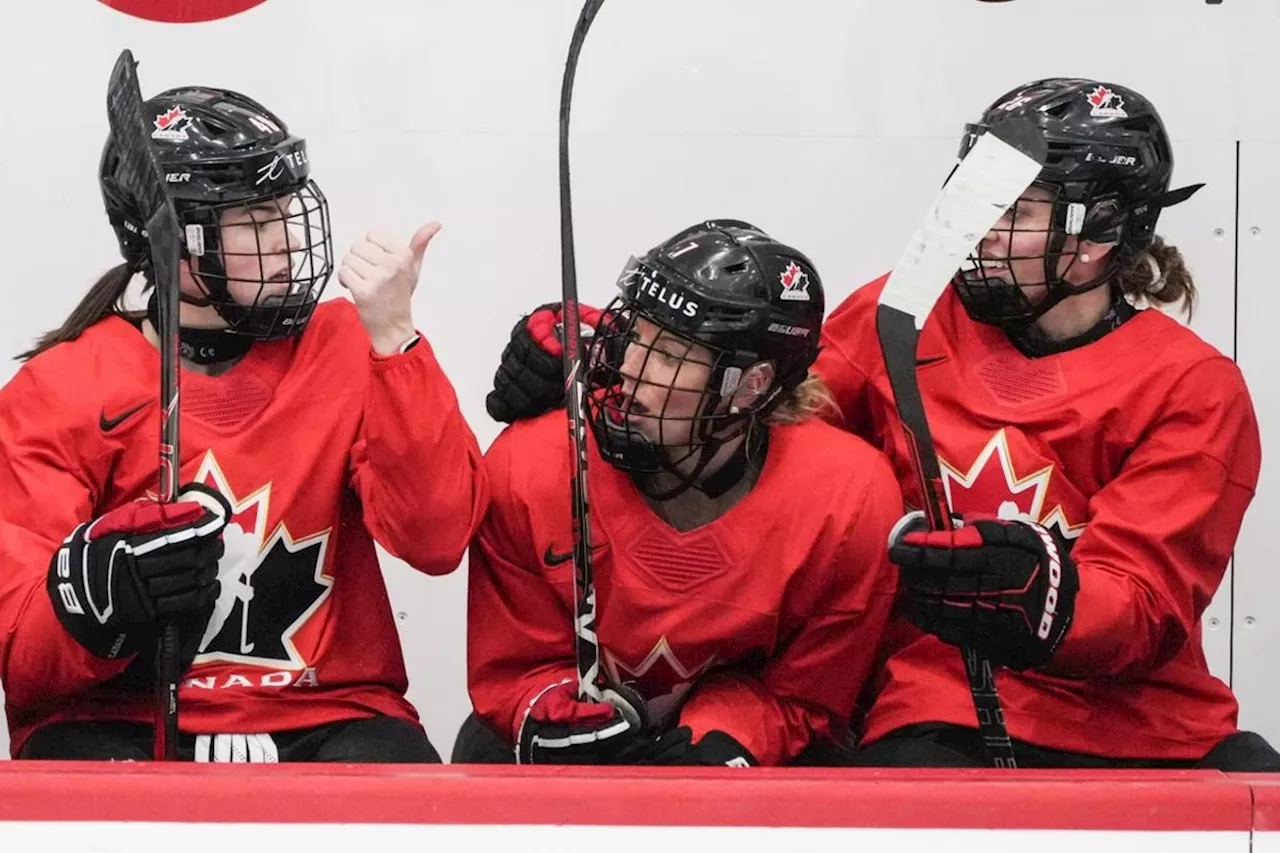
x=828, y=122
x=1204, y=230
x=1256, y=627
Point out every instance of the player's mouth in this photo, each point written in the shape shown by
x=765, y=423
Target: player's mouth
x=990, y=265
x=622, y=416
x=976, y=273
x=277, y=288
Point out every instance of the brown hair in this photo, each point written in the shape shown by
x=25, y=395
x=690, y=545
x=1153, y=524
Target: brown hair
x=810, y=399
x=1141, y=282
x=103, y=300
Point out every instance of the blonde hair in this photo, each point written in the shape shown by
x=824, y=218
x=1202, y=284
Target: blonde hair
x=1158, y=276
x=810, y=399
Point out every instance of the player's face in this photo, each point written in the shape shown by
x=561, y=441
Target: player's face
x=664, y=384
x=1015, y=248
x=256, y=242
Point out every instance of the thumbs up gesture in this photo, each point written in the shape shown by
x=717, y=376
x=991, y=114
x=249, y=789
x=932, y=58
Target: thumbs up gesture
x=381, y=274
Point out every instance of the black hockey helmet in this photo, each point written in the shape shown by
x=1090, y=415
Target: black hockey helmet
x=220, y=150
x=1108, y=172
x=736, y=292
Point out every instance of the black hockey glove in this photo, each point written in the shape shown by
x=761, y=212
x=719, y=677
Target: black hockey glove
x=677, y=747
x=530, y=380
x=1006, y=589
x=558, y=728
x=115, y=578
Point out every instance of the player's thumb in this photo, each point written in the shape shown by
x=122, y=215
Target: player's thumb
x=418, y=245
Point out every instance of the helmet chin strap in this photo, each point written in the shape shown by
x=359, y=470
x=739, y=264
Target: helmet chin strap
x=649, y=481
x=747, y=456
x=1032, y=342
x=202, y=346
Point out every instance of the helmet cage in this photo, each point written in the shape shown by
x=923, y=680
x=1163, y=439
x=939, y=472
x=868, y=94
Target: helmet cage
x=1088, y=203
x=697, y=335
x=285, y=265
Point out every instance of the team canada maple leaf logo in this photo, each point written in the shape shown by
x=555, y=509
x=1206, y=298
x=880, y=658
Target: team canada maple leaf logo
x=269, y=583
x=992, y=485
x=795, y=283
x=167, y=120
x=1106, y=103
x=171, y=125
x=660, y=677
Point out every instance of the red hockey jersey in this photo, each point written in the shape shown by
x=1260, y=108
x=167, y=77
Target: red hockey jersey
x=762, y=624
x=1141, y=449
x=321, y=447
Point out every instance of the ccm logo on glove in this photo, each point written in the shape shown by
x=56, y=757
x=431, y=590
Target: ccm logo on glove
x=1055, y=581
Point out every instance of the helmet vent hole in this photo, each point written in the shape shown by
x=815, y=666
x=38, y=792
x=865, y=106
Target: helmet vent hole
x=216, y=128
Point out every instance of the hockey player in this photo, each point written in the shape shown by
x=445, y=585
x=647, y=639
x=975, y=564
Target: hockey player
x=1109, y=450
x=299, y=451
x=740, y=543
x=1112, y=451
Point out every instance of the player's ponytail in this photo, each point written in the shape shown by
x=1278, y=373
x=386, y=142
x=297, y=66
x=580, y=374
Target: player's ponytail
x=810, y=399
x=1158, y=276
x=102, y=300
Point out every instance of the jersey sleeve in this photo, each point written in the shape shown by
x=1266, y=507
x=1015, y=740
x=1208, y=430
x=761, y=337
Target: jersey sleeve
x=519, y=627
x=809, y=688
x=45, y=492
x=416, y=465
x=1160, y=534
x=848, y=343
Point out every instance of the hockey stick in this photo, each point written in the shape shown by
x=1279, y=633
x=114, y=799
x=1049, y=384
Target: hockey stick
x=1000, y=166
x=586, y=644
x=141, y=174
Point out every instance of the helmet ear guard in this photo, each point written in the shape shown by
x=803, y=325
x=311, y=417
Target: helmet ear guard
x=1104, y=221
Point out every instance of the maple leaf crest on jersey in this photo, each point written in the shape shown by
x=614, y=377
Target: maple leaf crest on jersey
x=661, y=678
x=994, y=484
x=270, y=583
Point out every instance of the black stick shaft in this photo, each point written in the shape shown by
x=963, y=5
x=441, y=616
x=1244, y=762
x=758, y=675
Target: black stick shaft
x=139, y=172
x=586, y=643
x=166, y=255
x=898, y=339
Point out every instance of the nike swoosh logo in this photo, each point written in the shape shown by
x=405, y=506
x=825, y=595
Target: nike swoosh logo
x=107, y=424
x=552, y=559
x=933, y=359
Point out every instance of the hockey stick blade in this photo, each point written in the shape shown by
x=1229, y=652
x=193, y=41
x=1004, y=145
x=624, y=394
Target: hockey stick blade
x=999, y=167
x=139, y=173
x=586, y=643
x=994, y=173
